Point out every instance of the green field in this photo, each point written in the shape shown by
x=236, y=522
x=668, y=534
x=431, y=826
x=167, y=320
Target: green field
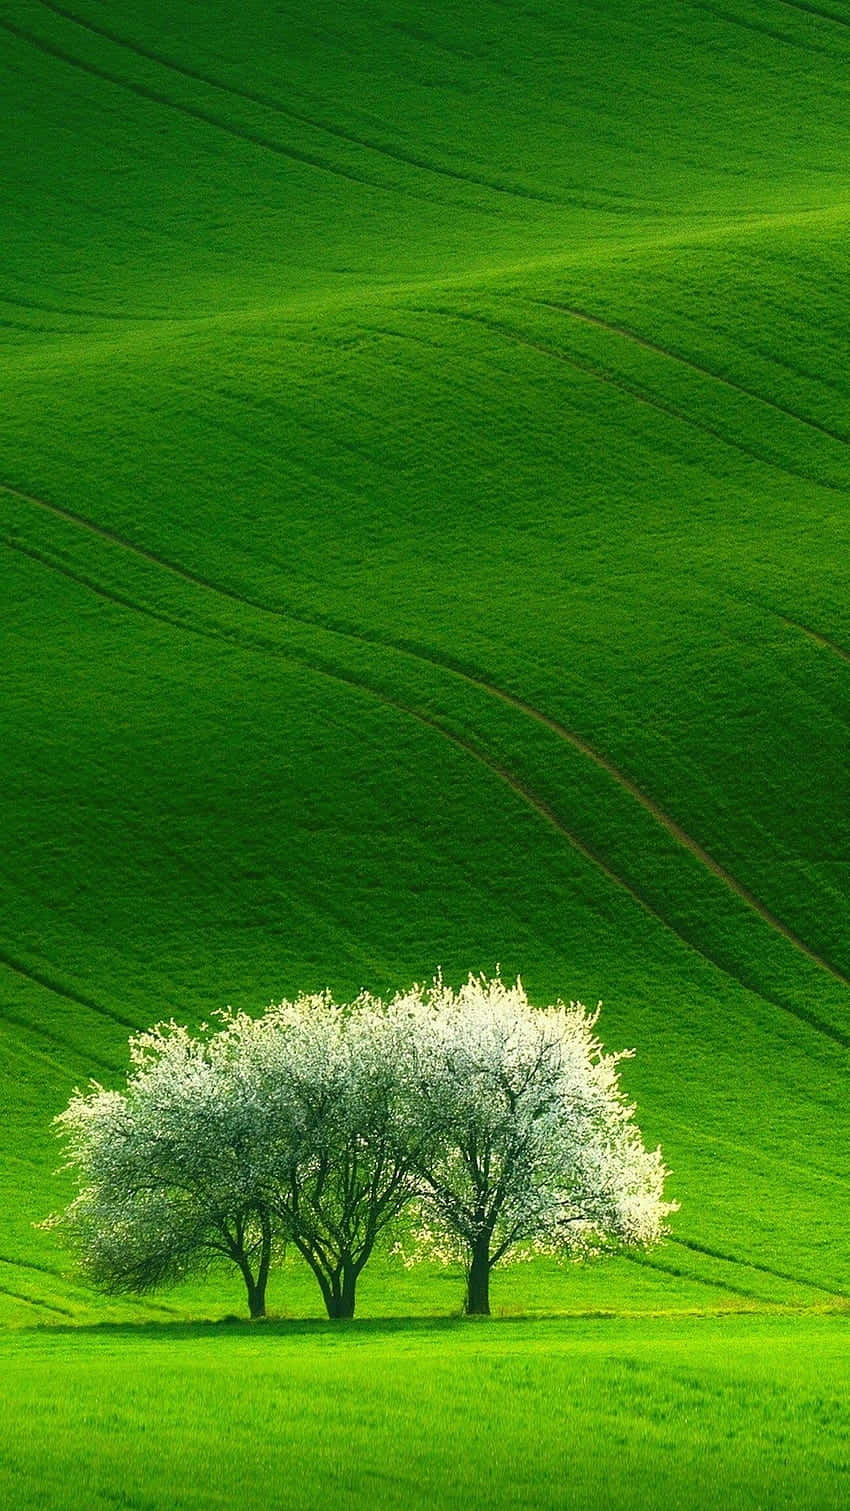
x=424, y=451
x=737, y=1416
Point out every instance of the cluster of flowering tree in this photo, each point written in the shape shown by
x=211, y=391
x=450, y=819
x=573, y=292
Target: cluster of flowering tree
x=465, y=1125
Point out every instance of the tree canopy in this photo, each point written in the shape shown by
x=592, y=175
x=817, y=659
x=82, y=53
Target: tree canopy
x=470, y=1124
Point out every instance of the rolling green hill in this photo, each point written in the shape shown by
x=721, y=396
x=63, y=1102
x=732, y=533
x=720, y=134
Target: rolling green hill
x=423, y=499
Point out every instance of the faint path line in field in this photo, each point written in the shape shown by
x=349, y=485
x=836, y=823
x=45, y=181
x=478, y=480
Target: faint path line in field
x=646, y=802
x=540, y=808
x=318, y=665
x=817, y=637
x=56, y=309
x=765, y=31
x=445, y=663
x=194, y=112
x=115, y=538
x=813, y=10
x=112, y=597
x=672, y=1269
x=754, y=1264
x=35, y=330
x=466, y=675
x=42, y=979
x=634, y=391
x=749, y=601
x=324, y=668
x=174, y=622
x=51, y=1038
x=672, y=828
x=688, y=362
x=807, y=1171
x=47, y=1306
x=30, y=1264
x=259, y=97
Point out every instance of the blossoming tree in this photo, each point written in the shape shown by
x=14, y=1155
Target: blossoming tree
x=503, y=1126
x=339, y=1163
x=168, y=1169
x=532, y=1143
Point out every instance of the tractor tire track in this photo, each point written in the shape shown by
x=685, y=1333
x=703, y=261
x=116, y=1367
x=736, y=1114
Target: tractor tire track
x=324, y=668
x=57, y=309
x=47, y=1306
x=629, y=335
x=40, y=978
x=30, y=1264
x=566, y=735
x=763, y=30
x=206, y=117
x=817, y=637
x=750, y=601
x=530, y=799
x=35, y=330
x=580, y=199
x=673, y=829
x=268, y=102
x=814, y=10
x=634, y=391
x=109, y=594
x=195, y=579
x=754, y=1264
x=680, y=1274
x=56, y=1039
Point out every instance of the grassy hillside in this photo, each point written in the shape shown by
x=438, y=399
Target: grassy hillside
x=424, y=454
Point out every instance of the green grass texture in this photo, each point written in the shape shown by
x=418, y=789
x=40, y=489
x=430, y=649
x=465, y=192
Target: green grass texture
x=424, y=537
x=750, y=1415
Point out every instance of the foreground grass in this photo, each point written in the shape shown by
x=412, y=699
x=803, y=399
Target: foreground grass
x=737, y=1412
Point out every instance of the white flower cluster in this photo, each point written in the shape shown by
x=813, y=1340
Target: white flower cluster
x=467, y=1124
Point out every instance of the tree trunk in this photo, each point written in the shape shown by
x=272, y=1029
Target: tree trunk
x=259, y=1297
x=340, y=1301
x=256, y=1298
x=478, y=1278
x=255, y=1285
x=337, y=1288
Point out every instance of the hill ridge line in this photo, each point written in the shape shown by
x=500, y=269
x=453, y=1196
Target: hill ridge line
x=576, y=741
x=395, y=295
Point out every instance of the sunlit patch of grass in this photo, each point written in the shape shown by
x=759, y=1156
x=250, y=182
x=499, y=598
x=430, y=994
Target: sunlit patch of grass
x=736, y=1413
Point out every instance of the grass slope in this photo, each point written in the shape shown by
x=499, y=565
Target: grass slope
x=422, y=492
